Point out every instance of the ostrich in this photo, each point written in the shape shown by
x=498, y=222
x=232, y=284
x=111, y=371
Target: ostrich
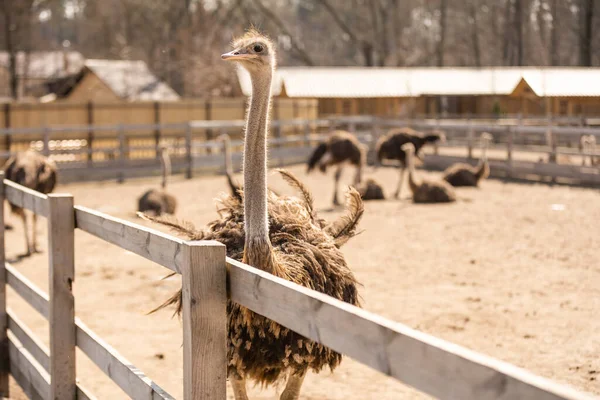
x=462, y=174
x=343, y=147
x=36, y=172
x=389, y=147
x=427, y=191
x=280, y=235
x=588, y=146
x=158, y=201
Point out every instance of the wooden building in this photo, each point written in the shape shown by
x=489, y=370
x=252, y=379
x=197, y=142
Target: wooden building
x=403, y=92
x=108, y=81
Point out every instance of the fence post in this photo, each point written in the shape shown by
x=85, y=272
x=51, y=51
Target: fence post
x=46, y=138
x=204, y=321
x=307, y=133
x=509, y=152
x=208, y=117
x=470, y=137
x=7, y=125
x=4, y=362
x=121, y=134
x=188, y=150
x=157, y=132
x=90, y=133
x=61, y=252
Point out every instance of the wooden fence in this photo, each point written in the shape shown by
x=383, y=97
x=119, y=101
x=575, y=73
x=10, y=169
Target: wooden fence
x=127, y=153
x=518, y=150
x=436, y=367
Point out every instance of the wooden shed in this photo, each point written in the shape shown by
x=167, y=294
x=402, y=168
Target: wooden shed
x=403, y=92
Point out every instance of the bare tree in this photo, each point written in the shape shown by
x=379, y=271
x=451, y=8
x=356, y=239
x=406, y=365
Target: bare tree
x=586, y=18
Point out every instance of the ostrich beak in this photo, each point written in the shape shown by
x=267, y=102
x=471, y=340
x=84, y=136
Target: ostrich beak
x=235, y=55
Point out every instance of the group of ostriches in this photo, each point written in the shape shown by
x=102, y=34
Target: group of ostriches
x=402, y=146
x=278, y=234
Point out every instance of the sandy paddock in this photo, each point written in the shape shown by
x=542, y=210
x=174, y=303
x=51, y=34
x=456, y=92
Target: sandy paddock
x=512, y=270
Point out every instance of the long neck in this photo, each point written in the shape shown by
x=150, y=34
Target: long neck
x=165, y=163
x=256, y=223
x=411, y=171
x=483, y=159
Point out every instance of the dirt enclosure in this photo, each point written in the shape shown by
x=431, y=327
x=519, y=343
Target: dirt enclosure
x=511, y=270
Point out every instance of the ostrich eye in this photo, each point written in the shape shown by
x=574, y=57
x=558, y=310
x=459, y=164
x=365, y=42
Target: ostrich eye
x=258, y=48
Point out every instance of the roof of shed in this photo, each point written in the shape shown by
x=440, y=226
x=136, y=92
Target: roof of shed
x=131, y=80
x=365, y=82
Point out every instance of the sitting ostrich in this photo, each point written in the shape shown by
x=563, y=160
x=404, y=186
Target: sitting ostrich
x=158, y=201
x=427, y=191
x=389, y=147
x=462, y=174
x=32, y=170
x=343, y=147
x=277, y=234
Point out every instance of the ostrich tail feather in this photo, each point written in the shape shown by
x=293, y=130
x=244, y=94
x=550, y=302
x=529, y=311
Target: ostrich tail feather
x=183, y=228
x=294, y=182
x=345, y=227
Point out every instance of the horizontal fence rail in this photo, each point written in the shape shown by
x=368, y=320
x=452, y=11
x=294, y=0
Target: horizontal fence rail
x=193, y=147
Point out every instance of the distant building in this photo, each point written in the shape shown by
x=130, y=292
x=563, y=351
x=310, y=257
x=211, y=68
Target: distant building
x=463, y=91
x=35, y=68
x=112, y=80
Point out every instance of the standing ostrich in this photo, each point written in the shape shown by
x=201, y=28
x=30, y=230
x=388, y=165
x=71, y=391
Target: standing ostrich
x=280, y=235
x=389, y=147
x=158, y=201
x=343, y=147
x=427, y=191
x=462, y=174
x=588, y=147
x=36, y=172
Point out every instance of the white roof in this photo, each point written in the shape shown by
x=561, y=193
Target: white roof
x=45, y=64
x=352, y=82
x=131, y=80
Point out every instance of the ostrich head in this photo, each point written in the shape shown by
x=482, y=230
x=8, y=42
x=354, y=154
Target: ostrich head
x=253, y=51
x=487, y=137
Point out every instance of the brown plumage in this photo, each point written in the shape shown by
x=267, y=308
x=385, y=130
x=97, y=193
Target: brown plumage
x=370, y=190
x=426, y=191
x=36, y=172
x=341, y=147
x=461, y=174
x=389, y=147
x=306, y=250
x=280, y=235
x=159, y=201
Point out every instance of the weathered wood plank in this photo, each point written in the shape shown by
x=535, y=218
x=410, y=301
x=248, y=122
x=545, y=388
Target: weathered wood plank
x=61, y=275
x=156, y=246
x=26, y=198
x=27, y=290
x=4, y=362
x=129, y=378
x=29, y=341
x=34, y=381
x=204, y=321
x=434, y=366
x=84, y=394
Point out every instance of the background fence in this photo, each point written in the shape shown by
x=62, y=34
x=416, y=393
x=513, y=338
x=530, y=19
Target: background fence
x=154, y=115
x=522, y=148
x=436, y=367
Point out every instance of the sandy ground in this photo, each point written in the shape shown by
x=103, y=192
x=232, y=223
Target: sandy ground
x=512, y=270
